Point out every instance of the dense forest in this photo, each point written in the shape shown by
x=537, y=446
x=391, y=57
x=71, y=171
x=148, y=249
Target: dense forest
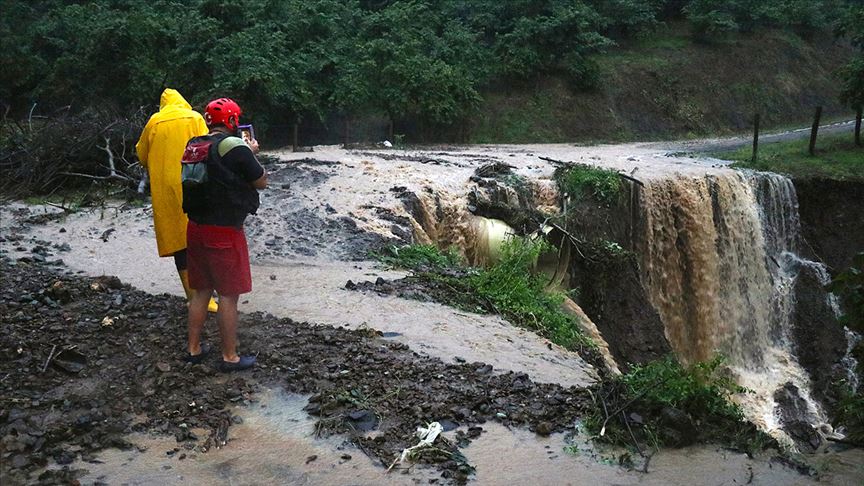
x=430, y=62
x=283, y=59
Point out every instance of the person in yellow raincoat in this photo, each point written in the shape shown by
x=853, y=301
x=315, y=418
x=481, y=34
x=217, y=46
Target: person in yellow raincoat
x=160, y=149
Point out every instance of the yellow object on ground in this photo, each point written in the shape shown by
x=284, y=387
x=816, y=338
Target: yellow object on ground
x=160, y=149
x=184, y=278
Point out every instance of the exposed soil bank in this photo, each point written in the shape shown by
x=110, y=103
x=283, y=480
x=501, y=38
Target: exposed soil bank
x=832, y=219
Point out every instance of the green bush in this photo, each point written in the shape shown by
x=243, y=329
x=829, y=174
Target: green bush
x=850, y=413
x=699, y=389
x=638, y=406
x=581, y=181
x=849, y=286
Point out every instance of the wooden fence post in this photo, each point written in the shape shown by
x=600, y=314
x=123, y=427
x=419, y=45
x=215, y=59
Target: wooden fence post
x=858, y=126
x=347, y=130
x=755, y=136
x=815, y=130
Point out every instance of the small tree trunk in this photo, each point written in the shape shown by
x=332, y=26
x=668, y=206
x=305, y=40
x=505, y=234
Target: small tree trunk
x=347, y=130
x=858, y=126
x=815, y=130
x=295, y=136
x=390, y=130
x=755, y=136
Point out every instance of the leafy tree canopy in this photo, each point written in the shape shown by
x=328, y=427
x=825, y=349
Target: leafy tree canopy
x=422, y=59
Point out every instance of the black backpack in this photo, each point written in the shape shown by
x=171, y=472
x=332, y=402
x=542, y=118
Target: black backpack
x=210, y=186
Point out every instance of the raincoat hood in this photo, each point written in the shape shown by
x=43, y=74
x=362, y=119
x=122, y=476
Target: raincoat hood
x=173, y=98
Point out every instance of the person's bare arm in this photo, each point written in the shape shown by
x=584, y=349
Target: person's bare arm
x=261, y=182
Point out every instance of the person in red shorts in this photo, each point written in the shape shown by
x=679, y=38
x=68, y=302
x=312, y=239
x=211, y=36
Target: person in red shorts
x=217, y=205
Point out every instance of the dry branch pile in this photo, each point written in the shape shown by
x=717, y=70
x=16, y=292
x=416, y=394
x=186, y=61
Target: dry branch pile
x=41, y=154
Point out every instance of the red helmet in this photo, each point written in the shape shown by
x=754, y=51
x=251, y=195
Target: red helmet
x=223, y=111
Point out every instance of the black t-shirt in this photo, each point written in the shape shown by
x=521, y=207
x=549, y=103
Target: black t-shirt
x=239, y=159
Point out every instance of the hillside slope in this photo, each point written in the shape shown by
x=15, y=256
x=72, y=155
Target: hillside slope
x=667, y=86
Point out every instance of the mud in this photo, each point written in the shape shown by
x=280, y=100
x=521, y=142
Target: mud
x=294, y=221
x=132, y=379
x=380, y=389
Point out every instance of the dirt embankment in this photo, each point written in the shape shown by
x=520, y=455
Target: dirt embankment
x=832, y=219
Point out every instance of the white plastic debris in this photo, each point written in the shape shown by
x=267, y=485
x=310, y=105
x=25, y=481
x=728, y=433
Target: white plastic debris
x=427, y=436
x=387, y=143
x=107, y=321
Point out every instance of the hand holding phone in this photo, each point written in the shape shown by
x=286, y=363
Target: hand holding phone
x=247, y=133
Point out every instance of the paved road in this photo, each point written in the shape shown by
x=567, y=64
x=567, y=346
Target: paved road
x=723, y=144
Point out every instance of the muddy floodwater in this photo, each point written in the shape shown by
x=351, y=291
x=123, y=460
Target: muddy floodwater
x=276, y=444
x=322, y=215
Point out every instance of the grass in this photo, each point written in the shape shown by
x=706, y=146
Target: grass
x=836, y=157
x=635, y=407
x=582, y=181
x=509, y=287
x=419, y=257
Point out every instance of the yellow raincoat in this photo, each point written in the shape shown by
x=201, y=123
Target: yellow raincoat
x=160, y=149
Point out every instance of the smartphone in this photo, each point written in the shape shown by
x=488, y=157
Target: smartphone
x=247, y=133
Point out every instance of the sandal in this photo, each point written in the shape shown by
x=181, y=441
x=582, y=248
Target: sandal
x=198, y=358
x=245, y=363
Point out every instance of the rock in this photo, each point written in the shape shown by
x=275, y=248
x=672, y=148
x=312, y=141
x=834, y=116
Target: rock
x=163, y=367
x=20, y=461
x=543, y=429
x=70, y=361
x=805, y=436
x=363, y=420
x=678, y=427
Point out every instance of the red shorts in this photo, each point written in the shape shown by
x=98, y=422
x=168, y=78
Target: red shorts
x=218, y=259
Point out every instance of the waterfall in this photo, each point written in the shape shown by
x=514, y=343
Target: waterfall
x=720, y=259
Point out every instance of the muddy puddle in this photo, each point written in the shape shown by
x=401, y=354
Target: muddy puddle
x=275, y=444
x=524, y=458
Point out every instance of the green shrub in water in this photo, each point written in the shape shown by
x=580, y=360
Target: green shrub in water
x=699, y=388
x=650, y=403
x=582, y=181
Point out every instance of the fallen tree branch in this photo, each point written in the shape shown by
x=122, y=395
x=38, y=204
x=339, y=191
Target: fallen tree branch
x=116, y=176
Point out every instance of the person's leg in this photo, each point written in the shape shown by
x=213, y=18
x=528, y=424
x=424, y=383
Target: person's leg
x=197, y=317
x=227, y=318
x=181, y=262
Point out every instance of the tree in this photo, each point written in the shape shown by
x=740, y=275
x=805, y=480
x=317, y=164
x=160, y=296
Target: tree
x=852, y=94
